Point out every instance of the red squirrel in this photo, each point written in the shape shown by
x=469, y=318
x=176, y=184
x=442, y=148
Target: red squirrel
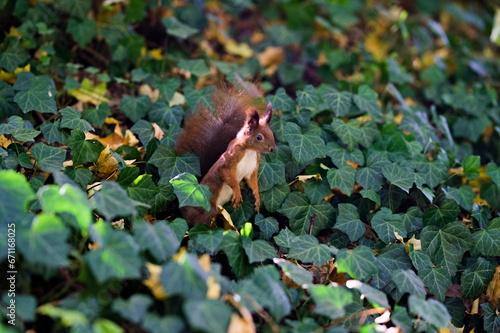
x=239, y=159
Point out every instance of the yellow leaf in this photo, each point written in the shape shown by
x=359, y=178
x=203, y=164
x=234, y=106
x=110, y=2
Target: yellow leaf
x=376, y=47
x=146, y=89
x=130, y=139
x=243, y=323
x=106, y=166
x=493, y=291
x=4, y=142
x=271, y=58
x=177, y=99
x=239, y=49
x=213, y=288
x=153, y=282
x=88, y=93
x=158, y=131
x=14, y=32
x=111, y=120
x=416, y=243
x=156, y=54
x=257, y=37
x=11, y=77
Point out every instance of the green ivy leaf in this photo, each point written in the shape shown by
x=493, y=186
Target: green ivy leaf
x=135, y=108
x=360, y=263
x=402, y=177
x=340, y=155
x=307, y=248
x=300, y=212
x=433, y=173
x=112, y=200
x=171, y=165
x=375, y=296
x=143, y=189
x=231, y=246
x=44, y=243
x=274, y=198
x=189, y=192
x=439, y=216
x=81, y=176
x=197, y=67
x=165, y=194
x=12, y=55
x=132, y=309
x=476, y=278
x=408, y=282
x=268, y=226
x=471, y=166
x=369, y=178
x=366, y=100
x=71, y=118
x=118, y=255
x=67, y=199
x=447, y=245
x=83, y=151
x=258, y=250
x=281, y=101
x=13, y=122
x=24, y=134
x=436, y=279
x=331, y=301
x=349, y=133
x=177, y=28
x=348, y=221
x=158, y=239
x=430, y=310
x=494, y=172
x=387, y=224
x=48, y=158
x=308, y=98
x=97, y=115
x=284, y=238
x=463, y=195
x=369, y=131
x=168, y=323
x=304, y=146
x=206, y=240
x=485, y=241
x=15, y=194
x=295, y=272
x=83, y=31
x=38, y=96
x=491, y=193
x=53, y=133
x=270, y=174
x=7, y=105
x=342, y=178
x=339, y=102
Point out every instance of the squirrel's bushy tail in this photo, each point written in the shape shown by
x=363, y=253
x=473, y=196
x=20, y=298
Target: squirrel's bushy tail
x=207, y=133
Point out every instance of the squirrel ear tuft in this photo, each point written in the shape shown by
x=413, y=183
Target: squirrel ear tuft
x=268, y=114
x=252, y=121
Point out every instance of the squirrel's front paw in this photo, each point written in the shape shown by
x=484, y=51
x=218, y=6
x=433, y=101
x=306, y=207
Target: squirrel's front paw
x=237, y=199
x=257, y=205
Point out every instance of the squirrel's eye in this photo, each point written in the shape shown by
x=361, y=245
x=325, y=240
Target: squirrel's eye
x=259, y=137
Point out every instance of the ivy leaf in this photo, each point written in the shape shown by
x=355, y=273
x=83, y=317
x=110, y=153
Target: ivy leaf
x=433, y=173
x=369, y=131
x=132, y=309
x=135, y=108
x=387, y=224
x=304, y=146
x=476, y=278
x=284, y=238
x=207, y=241
x=439, y=216
x=494, y=172
x=339, y=102
x=340, y=155
x=197, y=67
x=24, y=134
x=83, y=31
x=189, y=192
x=231, y=246
x=485, y=241
x=7, y=106
x=81, y=176
x=331, y=301
x=144, y=131
x=165, y=323
x=45, y=241
x=67, y=199
x=281, y=101
x=270, y=174
x=295, y=272
x=369, y=178
x=15, y=194
x=366, y=100
x=463, y=195
x=52, y=132
x=117, y=257
x=112, y=200
x=491, y=193
x=12, y=55
x=348, y=221
x=436, y=279
x=402, y=177
x=360, y=263
x=447, y=245
x=471, y=166
x=268, y=226
x=307, y=248
x=13, y=122
x=308, y=98
x=142, y=189
x=258, y=250
x=408, y=282
x=211, y=315
x=177, y=28
x=83, y=151
x=158, y=239
x=171, y=165
x=164, y=195
x=430, y=310
x=71, y=118
x=48, y=158
x=375, y=296
x=274, y=198
x=168, y=88
x=349, y=133
x=342, y=178
x=390, y=258
x=39, y=96
x=97, y=115
x=300, y=212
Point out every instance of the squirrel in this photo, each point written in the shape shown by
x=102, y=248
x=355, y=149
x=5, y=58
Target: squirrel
x=229, y=147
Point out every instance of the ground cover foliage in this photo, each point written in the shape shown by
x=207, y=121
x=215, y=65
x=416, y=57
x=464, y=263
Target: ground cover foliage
x=380, y=204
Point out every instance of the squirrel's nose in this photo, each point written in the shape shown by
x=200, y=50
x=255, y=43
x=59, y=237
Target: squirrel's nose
x=271, y=149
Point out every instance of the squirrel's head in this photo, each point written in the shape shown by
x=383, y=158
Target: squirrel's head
x=256, y=133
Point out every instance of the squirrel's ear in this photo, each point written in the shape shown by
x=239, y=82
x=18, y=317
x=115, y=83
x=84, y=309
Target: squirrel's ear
x=252, y=121
x=268, y=114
